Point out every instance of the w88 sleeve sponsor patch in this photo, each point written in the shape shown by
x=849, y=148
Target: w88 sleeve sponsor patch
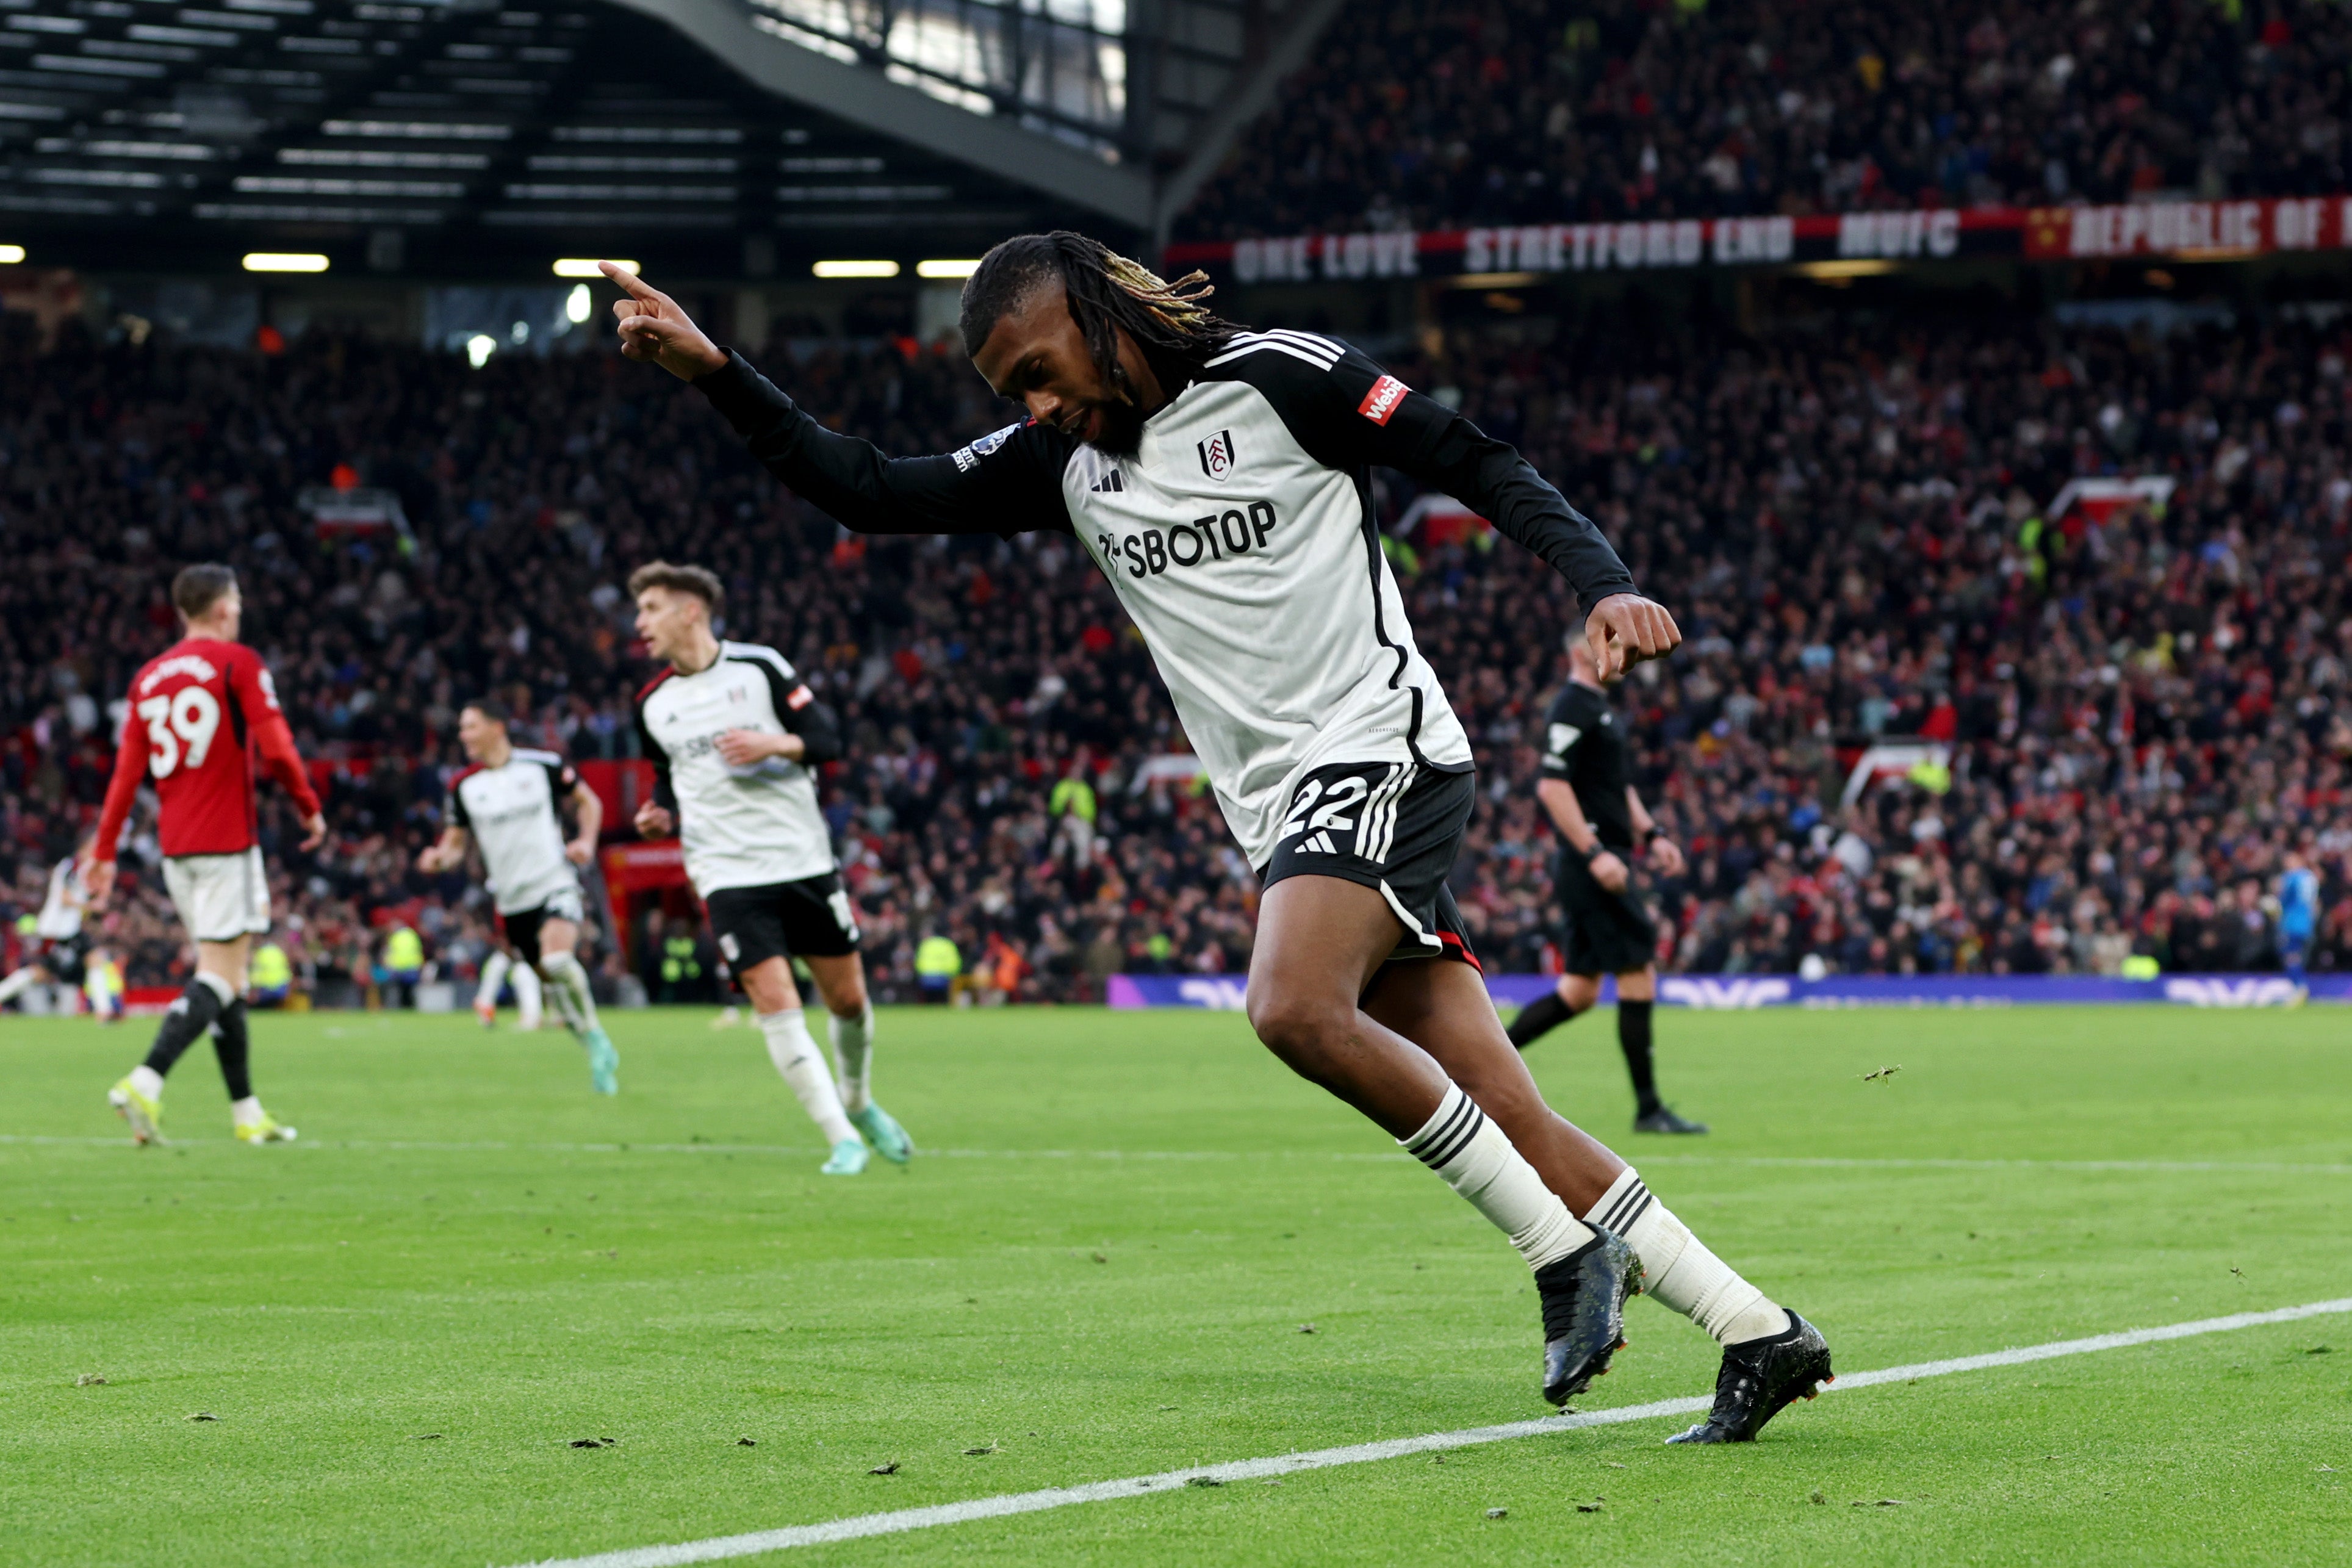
x=1383, y=400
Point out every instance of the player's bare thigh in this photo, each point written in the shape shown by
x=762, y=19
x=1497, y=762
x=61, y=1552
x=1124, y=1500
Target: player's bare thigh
x=841, y=981
x=769, y=985
x=1319, y=939
x=225, y=959
x=557, y=936
x=1443, y=1007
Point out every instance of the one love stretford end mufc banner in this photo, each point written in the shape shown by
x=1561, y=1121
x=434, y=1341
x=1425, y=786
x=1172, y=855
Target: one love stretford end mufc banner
x=2189, y=231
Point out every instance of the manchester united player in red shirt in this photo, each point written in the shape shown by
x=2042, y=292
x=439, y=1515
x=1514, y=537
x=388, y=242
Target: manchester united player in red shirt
x=203, y=713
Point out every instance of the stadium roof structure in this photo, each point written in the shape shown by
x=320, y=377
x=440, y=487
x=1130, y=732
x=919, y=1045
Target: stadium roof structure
x=710, y=138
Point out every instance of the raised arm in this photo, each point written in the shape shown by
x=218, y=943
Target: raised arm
x=1009, y=482
x=1354, y=415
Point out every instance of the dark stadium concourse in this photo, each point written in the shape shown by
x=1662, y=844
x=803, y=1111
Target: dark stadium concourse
x=447, y=142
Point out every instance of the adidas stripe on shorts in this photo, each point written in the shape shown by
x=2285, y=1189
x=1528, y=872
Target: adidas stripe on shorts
x=1390, y=826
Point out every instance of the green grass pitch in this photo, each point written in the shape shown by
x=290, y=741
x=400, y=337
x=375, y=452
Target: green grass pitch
x=1103, y=1268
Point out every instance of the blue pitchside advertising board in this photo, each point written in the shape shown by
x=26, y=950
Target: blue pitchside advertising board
x=1224, y=992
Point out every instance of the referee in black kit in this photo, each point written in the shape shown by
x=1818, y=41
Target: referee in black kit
x=1586, y=793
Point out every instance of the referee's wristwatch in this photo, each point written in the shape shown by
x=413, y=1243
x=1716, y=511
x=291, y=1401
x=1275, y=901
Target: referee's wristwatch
x=1589, y=855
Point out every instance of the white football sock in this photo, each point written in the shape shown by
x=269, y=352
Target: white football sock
x=147, y=1081
x=494, y=975
x=19, y=981
x=1478, y=1162
x=793, y=1051
x=530, y=997
x=1677, y=1269
x=853, y=1051
x=246, y=1112
x=568, y=983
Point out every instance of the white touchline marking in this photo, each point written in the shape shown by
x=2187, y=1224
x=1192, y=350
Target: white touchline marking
x=1790, y=1161
x=899, y=1523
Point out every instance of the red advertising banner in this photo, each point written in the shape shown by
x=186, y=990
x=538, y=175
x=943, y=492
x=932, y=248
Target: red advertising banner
x=2188, y=230
x=639, y=866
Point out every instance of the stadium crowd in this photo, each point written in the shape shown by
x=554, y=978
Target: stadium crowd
x=1432, y=115
x=2146, y=716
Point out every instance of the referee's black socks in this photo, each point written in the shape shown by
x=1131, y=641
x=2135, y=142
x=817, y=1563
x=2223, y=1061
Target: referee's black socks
x=1538, y=1017
x=1634, y=1039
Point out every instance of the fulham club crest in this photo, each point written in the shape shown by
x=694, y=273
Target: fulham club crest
x=1217, y=455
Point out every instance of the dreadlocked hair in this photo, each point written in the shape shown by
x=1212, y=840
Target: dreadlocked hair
x=1105, y=291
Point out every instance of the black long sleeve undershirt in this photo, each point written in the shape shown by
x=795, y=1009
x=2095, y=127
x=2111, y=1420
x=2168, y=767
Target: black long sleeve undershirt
x=1017, y=491
x=1011, y=482
x=819, y=728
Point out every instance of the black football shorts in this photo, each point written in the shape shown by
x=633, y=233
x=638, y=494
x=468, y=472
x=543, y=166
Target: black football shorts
x=1608, y=933
x=66, y=959
x=1390, y=826
x=810, y=919
x=522, y=927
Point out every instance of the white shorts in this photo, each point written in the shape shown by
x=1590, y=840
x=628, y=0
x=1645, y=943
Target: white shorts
x=220, y=897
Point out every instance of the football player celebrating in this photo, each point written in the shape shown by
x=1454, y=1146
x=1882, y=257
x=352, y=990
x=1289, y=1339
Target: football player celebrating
x=203, y=716
x=1220, y=480
x=735, y=736
x=508, y=802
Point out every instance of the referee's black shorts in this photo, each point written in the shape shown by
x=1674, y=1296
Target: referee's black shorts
x=1608, y=933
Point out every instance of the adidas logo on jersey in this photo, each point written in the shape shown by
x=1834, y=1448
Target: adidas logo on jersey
x=1109, y=483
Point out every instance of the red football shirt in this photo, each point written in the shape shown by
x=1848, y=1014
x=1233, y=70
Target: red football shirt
x=202, y=714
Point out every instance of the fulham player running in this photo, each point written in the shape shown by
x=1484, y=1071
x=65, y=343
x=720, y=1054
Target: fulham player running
x=58, y=957
x=1588, y=793
x=203, y=716
x=734, y=735
x=508, y=802
x=1221, y=481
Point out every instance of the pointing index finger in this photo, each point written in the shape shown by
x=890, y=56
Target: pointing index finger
x=630, y=281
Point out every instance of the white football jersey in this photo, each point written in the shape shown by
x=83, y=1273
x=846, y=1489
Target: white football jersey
x=1240, y=538
x=60, y=916
x=1257, y=580
x=514, y=813
x=741, y=827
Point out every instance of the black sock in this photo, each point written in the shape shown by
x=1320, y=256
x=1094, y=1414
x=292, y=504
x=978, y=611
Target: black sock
x=232, y=1044
x=1634, y=1039
x=183, y=1025
x=1546, y=1013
